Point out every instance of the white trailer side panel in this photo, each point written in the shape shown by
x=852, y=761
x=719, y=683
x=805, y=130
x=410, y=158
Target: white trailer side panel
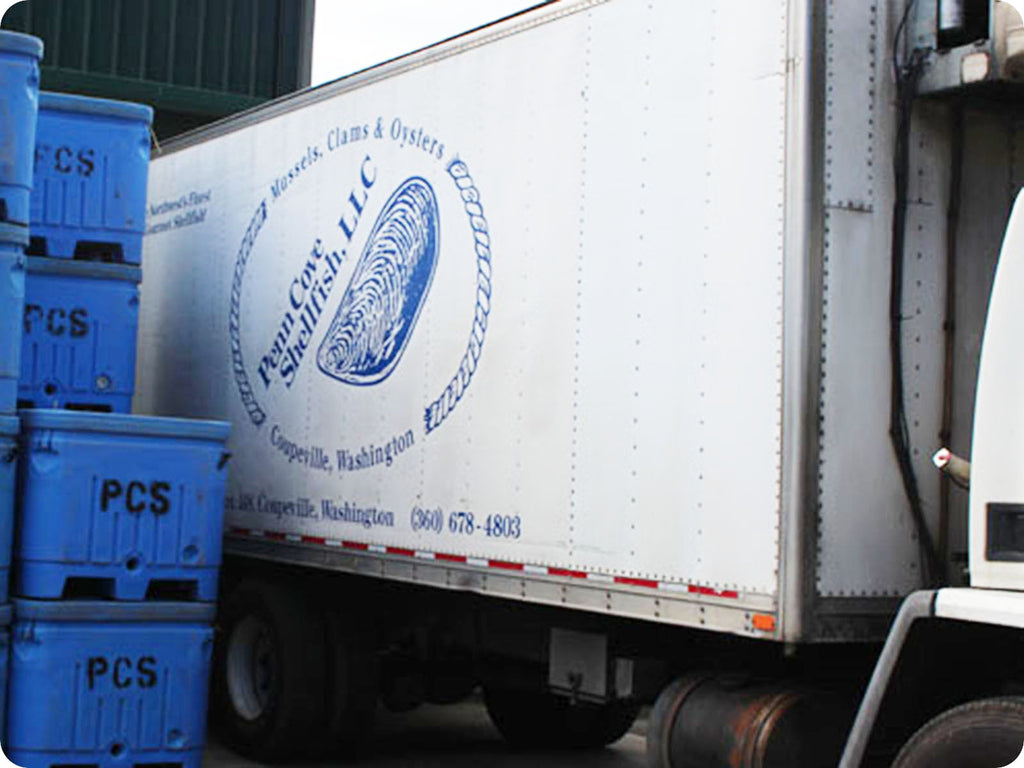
x=551, y=337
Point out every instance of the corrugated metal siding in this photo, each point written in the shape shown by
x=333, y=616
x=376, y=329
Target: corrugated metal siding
x=252, y=47
x=187, y=52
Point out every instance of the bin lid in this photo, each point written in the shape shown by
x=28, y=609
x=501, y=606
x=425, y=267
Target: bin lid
x=96, y=270
x=107, y=611
x=9, y=425
x=124, y=424
x=16, y=42
x=89, y=105
x=13, y=233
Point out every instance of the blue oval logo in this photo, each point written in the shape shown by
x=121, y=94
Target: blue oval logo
x=387, y=290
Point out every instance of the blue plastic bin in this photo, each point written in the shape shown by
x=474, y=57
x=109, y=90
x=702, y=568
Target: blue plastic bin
x=78, y=337
x=5, y=655
x=13, y=240
x=91, y=168
x=8, y=476
x=128, y=507
x=108, y=684
x=19, y=93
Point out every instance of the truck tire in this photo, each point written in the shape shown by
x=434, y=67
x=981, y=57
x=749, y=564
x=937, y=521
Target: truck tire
x=352, y=684
x=538, y=719
x=979, y=734
x=269, y=673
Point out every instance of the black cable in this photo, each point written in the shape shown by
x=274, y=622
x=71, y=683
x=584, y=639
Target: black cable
x=907, y=77
x=901, y=30
x=956, y=162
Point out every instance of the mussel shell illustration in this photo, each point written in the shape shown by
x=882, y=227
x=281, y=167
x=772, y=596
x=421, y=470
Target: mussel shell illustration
x=387, y=290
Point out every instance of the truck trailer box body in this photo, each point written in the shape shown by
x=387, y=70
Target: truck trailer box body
x=587, y=308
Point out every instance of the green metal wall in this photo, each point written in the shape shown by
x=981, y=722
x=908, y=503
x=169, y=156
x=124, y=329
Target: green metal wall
x=192, y=60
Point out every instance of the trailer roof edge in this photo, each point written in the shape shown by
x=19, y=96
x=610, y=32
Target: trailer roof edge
x=543, y=12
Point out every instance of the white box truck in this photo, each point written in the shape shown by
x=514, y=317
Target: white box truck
x=597, y=357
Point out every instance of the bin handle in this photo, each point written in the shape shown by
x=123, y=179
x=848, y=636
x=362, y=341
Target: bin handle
x=224, y=458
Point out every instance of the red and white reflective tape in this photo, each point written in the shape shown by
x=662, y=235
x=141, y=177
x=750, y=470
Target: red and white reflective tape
x=478, y=562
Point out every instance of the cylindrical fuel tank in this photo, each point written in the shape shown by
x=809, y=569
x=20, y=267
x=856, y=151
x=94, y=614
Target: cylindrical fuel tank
x=708, y=721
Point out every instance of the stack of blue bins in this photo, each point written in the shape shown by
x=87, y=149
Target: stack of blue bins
x=117, y=517
x=116, y=558
x=88, y=210
x=19, y=95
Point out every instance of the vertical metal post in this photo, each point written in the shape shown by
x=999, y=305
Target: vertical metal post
x=304, y=69
x=86, y=33
x=226, y=63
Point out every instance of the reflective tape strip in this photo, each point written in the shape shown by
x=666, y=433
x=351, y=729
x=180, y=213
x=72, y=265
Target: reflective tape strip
x=503, y=565
x=449, y=558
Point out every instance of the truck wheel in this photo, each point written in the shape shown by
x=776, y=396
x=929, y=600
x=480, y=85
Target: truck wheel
x=352, y=680
x=981, y=733
x=538, y=719
x=268, y=688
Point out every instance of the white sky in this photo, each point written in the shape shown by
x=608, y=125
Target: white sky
x=349, y=35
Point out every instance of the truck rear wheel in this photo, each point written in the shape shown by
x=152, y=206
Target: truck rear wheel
x=269, y=688
x=537, y=719
x=980, y=733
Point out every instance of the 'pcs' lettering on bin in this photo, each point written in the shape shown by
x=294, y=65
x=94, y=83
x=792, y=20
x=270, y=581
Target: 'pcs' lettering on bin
x=135, y=496
x=57, y=321
x=122, y=671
